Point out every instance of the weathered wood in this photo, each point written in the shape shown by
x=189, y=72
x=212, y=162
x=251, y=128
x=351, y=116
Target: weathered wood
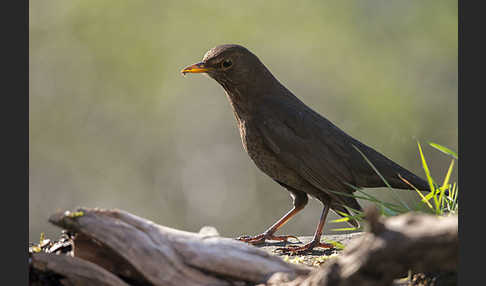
x=423, y=243
x=74, y=271
x=141, y=252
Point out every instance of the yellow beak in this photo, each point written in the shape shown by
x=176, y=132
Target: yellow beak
x=195, y=68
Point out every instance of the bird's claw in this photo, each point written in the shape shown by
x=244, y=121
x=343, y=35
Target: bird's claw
x=293, y=250
x=261, y=238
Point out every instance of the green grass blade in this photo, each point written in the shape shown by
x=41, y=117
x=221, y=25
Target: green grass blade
x=443, y=188
x=344, y=229
x=455, y=190
x=344, y=219
x=355, y=196
x=382, y=178
x=389, y=212
x=444, y=150
x=428, y=197
x=418, y=192
x=370, y=198
x=347, y=217
x=448, y=175
x=452, y=192
x=441, y=199
x=395, y=207
x=430, y=180
x=426, y=169
x=336, y=244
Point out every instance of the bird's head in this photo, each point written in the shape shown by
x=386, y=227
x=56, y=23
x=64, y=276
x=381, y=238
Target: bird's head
x=229, y=65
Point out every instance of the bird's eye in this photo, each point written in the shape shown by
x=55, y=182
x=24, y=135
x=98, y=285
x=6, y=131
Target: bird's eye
x=227, y=63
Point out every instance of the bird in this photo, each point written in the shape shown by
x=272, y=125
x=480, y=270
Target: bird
x=296, y=146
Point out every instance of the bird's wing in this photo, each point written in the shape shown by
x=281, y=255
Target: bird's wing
x=310, y=145
x=328, y=154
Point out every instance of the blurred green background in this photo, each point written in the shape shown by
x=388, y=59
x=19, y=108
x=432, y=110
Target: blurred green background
x=114, y=124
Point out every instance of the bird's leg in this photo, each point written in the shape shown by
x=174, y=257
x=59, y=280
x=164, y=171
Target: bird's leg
x=269, y=233
x=300, y=200
x=316, y=241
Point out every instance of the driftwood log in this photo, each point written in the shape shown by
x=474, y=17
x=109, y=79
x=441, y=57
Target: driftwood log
x=421, y=243
x=113, y=247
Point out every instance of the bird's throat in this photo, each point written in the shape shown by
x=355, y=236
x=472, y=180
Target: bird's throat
x=239, y=106
x=240, y=101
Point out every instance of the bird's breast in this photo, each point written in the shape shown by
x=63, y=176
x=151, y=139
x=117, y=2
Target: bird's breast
x=264, y=158
x=251, y=140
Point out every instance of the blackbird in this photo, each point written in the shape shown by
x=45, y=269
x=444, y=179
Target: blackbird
x=296, y=146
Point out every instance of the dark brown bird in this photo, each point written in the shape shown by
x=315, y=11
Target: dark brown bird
x=294, y=145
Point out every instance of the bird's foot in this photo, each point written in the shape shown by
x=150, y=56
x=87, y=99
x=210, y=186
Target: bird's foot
x=292, y=250
x=261, y=238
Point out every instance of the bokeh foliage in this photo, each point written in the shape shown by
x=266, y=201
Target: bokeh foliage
x=114, y=124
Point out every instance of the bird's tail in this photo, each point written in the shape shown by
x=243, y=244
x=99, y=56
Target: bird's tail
x=396, y=176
